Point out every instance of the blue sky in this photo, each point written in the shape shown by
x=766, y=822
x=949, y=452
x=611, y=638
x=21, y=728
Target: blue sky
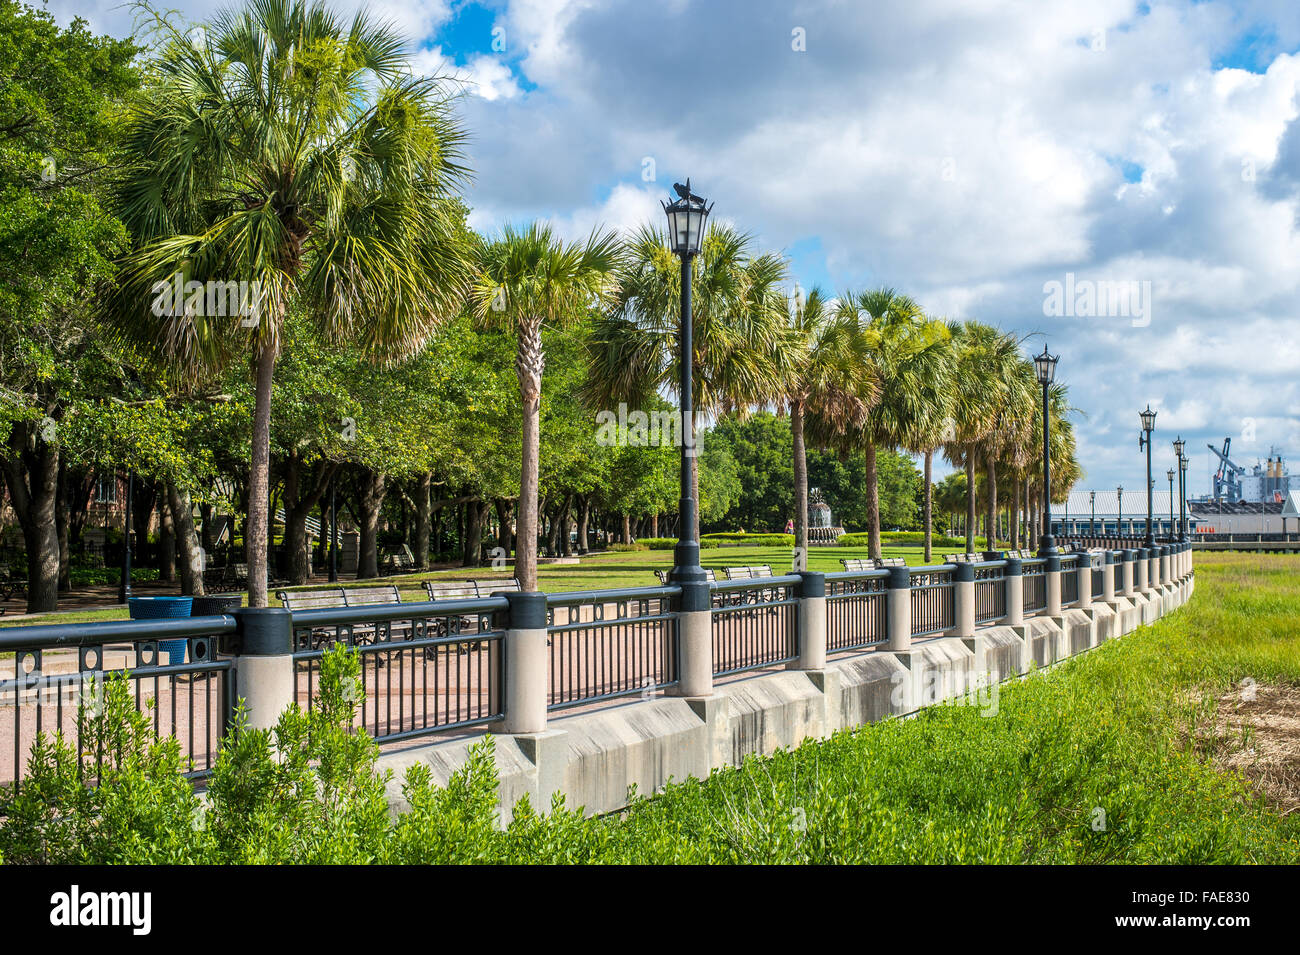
x=967, y=153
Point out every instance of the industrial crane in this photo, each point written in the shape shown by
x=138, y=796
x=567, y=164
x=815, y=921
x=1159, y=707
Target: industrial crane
x=1227, y=480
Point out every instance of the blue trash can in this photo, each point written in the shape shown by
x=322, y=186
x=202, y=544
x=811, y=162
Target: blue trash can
x=163, y=608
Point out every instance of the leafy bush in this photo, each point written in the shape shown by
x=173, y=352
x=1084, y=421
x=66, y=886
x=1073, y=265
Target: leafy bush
x=757, y=540
x=917, y=538
x=628, y=548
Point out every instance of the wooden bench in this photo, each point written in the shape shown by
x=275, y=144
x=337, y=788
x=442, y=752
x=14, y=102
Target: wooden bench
x=882, y=562
x=709, y=576
x=853, y=564
x=339, y=597
x=400, y=561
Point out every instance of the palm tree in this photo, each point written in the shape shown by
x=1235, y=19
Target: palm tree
x=906, y=353
x=931, y=428
x=739, y=317
x=292, y=151
x=984, y=361
x=820, y=377
x=528, y=278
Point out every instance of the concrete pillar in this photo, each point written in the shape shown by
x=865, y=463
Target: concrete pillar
x=1015, y=584
x=695, y=638
x=898, y=608
x=1141, y=566
x=1153, y=568
x=963, y=595
x=1052, y=575
x=264, y=665
x=812, y=621
x=1164, y=565
x=526, y=664
x=1108, y=576
x=1128, y=573
x=1084, y=572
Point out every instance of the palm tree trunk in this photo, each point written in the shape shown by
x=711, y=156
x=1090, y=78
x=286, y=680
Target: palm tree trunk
x=873, y=500
x=529, y=361
x=991, y=505
x=800, y=479
x=1014, y=515
x=928, y=508
x=259, y=478
x=970, y=502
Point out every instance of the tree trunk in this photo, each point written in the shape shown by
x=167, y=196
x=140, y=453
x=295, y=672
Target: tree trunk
x=31, y=467
x=473, y=534
x=303, y=488
x=205, y=533
x=529, y=362
x=991, y=505
x=256, y=538
x=505, y=539
x=191, y=557
x=1014, y=516
x=373, y=489
x=927, y=510
x=566, y=547
x=800, y=478
x=142, y=510
x=970, y=502
x=423, y=513
x=166, y=541
x=873, y=500
x=61, y=525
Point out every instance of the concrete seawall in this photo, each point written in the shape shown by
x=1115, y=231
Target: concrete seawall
x=594, y=757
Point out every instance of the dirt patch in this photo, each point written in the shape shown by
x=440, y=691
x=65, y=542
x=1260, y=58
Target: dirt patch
x=1257, y=733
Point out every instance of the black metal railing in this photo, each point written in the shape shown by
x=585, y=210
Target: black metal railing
x=1034, y=573
x=755, y=623
x=611, y=643
x=990, y=591
x=1098, y=581
x=54, y=669
x=425, y=667
x=932, y=600
x=1070, y=579
x=856, y=608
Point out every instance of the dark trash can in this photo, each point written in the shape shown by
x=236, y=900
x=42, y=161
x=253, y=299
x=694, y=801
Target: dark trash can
x=163, y=608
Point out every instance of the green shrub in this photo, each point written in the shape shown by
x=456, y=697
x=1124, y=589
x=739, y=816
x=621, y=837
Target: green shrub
x=628, y=548
x=756, y=540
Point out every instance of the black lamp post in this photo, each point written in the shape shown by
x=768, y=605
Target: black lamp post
x=1119, y=516
x=1045, y=368
x=124, y=591
x=1179, y=444
x=687, y=216
x=1144, y=441
x=1182, y=495
x=1170, y=474
x=1092, y=519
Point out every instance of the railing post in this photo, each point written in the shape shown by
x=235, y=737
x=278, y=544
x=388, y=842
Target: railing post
x=899, y=608
x=695, y=646
x=1083, y=573
x=1052, y=580
x=812, y=621
x=1015, y=584
x=526, y=664
x=963, y=595
x=1128, y=572
x=264, y=665
x=1142, y=570
x=1108, y=576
